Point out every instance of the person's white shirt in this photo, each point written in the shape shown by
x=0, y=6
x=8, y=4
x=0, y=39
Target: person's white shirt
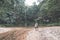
x=36, y=25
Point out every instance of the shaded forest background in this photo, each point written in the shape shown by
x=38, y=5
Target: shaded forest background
x=15, y=13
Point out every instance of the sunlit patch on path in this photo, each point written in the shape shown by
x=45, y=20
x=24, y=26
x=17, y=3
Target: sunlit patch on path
x=46, y=34
x=33, y=35
x=2, y=30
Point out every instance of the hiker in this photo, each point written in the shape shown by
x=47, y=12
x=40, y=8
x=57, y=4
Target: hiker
x=37, y=22
x=36, y=25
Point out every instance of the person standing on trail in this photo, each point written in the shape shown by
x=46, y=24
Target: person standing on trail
x=36, y=23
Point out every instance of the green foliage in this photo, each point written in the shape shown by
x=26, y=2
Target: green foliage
x=15, y=13
x=50, y=8
x=11, y=11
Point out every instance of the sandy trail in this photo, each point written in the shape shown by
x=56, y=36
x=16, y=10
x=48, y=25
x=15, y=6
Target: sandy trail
x=48, y=33
x=44, y=34
x=13, y=34
x=2, y=30
x=33, y=35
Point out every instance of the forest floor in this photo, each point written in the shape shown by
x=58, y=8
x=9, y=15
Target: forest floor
x=45, y=33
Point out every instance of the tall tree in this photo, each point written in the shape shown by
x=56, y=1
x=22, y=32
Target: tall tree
x=50, y=8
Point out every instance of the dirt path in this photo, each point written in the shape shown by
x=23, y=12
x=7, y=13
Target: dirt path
x=33, y=35
x=2, y=30
x=14, y=34
x=48, y=33
x=52, y=33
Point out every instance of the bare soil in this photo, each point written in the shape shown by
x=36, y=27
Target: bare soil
x=46, y=33
x=14, y=34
